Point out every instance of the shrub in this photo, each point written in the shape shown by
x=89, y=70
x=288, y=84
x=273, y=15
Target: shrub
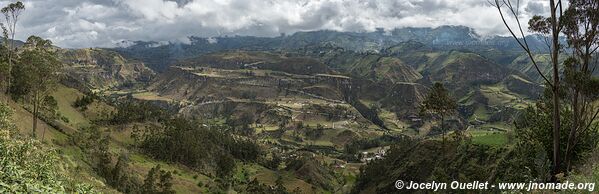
x=27, y=167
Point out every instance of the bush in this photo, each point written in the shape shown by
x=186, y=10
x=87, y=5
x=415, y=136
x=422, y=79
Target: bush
x=27, y=167
x=315, y=133
x=83, y=102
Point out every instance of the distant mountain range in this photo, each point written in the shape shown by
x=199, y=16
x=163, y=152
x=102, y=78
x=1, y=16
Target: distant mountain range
x=160, y=55
x=363, y=70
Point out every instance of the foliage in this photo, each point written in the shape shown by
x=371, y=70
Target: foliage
x=527, y=161
x=27, y=167
x=456, y=160
x=196, y=145
x=94, y=144
x=120, y=176
x=36, y=69
x=581, y=27
x=11, y=16
x=439, y=102
x=35, y=76
x=314, y=133
x=361, y=144
x=158, y=181
x=225, y=165
x=589, y=172
x=581, y=23
x=427, y=160
x=551, y=27
x=242, y=123
x=274, y=162
x=130, y=111
x=256, y=187
x=535, y=122
x=83, y=102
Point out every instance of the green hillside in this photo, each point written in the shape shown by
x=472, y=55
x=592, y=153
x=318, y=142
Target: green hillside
x=312, y=112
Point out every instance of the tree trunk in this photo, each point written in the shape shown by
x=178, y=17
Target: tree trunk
x=556, y=86
x=443, y=127
x=43, y=134
x=39, y=102
x=572, y=136
x=9, y=73
x=34, y=116
x=578, y=106
x=11, y=46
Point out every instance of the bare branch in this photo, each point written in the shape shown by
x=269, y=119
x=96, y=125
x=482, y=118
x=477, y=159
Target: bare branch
x=523, y=44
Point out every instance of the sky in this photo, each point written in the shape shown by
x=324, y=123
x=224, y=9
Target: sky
x=104, y=23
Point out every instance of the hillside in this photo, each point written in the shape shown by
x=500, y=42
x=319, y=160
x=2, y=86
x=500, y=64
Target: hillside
x=463, y=69
x=296, y=119
x=56, y=139
x=525, y=65
x=101, y=69
x=303, y=118
x=324, y=104
x=258, y=60
x=294, y=97
x=159, y=56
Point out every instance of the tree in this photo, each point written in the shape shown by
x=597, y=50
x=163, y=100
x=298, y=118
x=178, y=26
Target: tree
x=83, y=102
x=439, y=102
x=11, y=15
x=119, y=177
x=35, y=76
x=158, y=181
x=149, y=185
x=225, y=166
x=6, y=122
x=165, y=183
x=274, y=163
x=279, y=187
x=581, y=27
x=551, y=28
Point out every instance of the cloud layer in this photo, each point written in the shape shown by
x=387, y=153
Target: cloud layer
x=103, y=23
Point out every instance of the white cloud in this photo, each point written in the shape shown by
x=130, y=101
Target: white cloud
x=104, y=23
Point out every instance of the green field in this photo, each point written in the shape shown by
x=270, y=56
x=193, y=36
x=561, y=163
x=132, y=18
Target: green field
x=486, y=137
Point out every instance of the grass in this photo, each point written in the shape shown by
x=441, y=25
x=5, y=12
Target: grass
x=481, y=113
x=65, y=98
x=491, y=138
x=59, y=141
x=183, y=180
x=492, y=134
x=23, y=120
x=391, y=121
x=269, y=177
x=150, y=96
x=499, y=95
x=78, y=118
